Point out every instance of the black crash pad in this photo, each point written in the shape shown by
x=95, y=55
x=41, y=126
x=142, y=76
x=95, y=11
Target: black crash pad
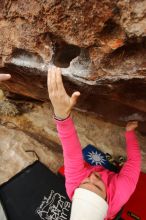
x=35, y=193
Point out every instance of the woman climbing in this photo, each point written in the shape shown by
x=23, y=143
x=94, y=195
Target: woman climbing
x=96, y=193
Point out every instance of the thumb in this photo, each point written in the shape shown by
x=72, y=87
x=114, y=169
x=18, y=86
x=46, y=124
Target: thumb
x=74, y=98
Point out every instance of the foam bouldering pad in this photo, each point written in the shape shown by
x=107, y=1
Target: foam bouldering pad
x=35, y=193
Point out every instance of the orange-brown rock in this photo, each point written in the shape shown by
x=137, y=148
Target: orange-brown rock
x=100, y=45
x=101, y=48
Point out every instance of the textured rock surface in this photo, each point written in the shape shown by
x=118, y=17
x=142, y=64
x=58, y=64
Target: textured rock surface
x=101, y=48
x=25, y=139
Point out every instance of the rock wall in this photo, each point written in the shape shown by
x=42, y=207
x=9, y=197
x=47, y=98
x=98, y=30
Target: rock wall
x=100, y=45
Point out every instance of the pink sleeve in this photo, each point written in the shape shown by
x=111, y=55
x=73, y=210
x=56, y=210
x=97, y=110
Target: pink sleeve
x=72, y=152
x=126, y=180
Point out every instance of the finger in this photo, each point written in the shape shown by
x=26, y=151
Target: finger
x=4, y=77
x=133, y=123
x=60, y=85
x=50, y=74
x=49, y=80
x=74, y=98
x=53, y=80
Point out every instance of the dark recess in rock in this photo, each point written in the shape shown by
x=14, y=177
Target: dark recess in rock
x=64, y=53
x=109, y=27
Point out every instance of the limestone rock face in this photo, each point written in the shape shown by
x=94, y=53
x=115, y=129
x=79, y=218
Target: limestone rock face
x=100, y=47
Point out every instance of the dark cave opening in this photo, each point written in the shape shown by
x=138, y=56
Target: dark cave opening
x=64, y=53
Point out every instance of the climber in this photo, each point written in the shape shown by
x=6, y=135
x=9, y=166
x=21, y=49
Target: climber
x=96, y=193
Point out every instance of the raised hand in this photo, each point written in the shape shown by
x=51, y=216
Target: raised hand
x=131, y=125
x=4, y=77
x=61, y=101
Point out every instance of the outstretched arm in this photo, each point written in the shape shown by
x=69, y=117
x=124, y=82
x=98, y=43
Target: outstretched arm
x=127, y=179
x=132, y=167
x=62, y=104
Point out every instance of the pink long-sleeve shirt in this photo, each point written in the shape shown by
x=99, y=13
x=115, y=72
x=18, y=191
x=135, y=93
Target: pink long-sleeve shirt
x=119, y=187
